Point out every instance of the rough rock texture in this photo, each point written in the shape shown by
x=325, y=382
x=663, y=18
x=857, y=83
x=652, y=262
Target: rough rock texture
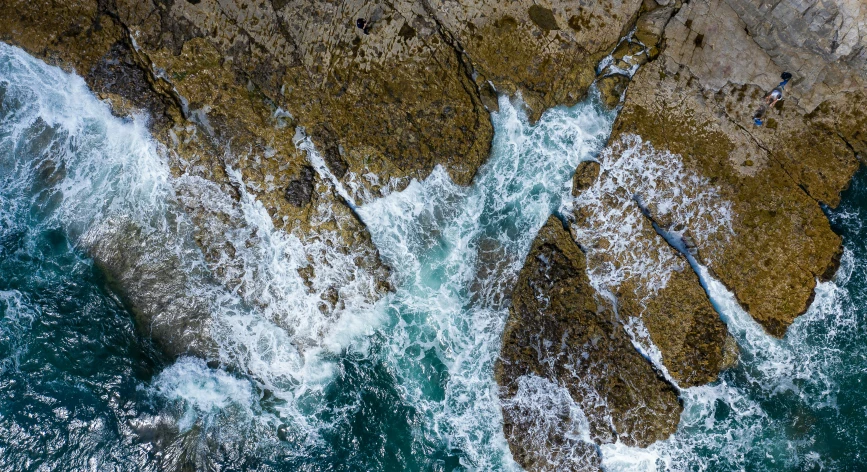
x=685, y=159
x=562, y=330
x=235, y=87
x=697, y=101
x=547, y=51
x=655, y=292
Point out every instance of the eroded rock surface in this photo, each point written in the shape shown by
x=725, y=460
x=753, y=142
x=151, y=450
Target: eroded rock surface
x=251, y=95
x=240, y=91
x=697, y=101
x=562, y=330
x=686, y=159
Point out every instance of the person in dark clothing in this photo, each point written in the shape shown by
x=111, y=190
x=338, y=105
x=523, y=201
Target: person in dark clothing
x=771, y=99
x=363, y=25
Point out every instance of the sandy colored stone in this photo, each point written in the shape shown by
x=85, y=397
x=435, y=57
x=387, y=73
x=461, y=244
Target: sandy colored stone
x=697, y=101
x=586, y=173
x=73, y=35
x=559, y=328
x=547, y=51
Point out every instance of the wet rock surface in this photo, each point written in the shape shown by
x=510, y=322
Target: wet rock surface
x=697, y=101
x=745, y=201
x=562, y=330
x=234, y=88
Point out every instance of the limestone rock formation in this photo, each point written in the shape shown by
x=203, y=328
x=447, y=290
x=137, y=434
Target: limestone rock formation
x=288, y=107
x=251, y=95
x=546, y=51
x=685, y=159
x=656, y=294
x=697, y=101
x=562, y=330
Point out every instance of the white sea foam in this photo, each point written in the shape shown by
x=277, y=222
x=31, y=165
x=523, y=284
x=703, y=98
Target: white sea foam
x=621, y=244
x=203, y=391
x=551, y=423
x=104, y=181
x=634, y=175
x=457, y=251
x=17, y=315
x=724, y=422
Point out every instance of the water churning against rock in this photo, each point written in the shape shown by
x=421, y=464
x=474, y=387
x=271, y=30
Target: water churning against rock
x=102, y=273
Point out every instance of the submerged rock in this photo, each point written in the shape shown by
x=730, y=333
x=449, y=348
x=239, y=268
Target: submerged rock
x=300, y=189
x=243, y=93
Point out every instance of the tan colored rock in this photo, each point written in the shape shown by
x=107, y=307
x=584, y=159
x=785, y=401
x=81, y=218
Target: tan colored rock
x=73, y=35
x=547, y=51
x=650, y=26
x=611, y=89
x=697, y=101
x=585, y=175
x=657, y=296
x=228, y=83
x=562, y=330
x=372, y=102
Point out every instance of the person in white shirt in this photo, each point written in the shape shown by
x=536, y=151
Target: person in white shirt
x=771, y=99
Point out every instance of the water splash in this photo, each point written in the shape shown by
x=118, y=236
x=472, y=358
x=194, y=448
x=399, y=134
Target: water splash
x=457, y=253
x=67, y=163
x=764, y=413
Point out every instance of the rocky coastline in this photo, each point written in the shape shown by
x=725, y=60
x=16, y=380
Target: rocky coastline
x=233, y=88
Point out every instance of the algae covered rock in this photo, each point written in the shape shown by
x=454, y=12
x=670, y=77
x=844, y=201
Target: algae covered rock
x=547, y=52
x=658, y=298
x=697, y=101
x=563, y=336
x=611, y=89
x=685, y=160
x=251, y=95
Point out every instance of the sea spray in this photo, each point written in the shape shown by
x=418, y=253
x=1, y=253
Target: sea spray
x=307, y=371
x=608, y=221
x=68, y=163
x=457, y=253
x=404, y=385
x=769, y=411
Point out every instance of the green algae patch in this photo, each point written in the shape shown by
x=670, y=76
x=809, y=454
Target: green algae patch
x=543, y=18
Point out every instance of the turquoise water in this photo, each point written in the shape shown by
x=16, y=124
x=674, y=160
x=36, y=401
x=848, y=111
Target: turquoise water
x=796, y=404
x=401, y=384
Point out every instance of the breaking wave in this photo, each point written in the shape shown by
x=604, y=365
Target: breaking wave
x=287, y=356
x=457, y=253
x=790, y=403
x=299, y=362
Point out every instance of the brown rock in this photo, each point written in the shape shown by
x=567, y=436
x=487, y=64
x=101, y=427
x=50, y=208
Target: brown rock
x=547, y=52
x=650, y=25
x=697, y=101
x=229, y=82
x=585, y=175
x=560, y=329
x=652, y=284
x=611, y=89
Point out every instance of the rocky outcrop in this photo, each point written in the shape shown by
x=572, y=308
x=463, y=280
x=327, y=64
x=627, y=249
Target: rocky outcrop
x=686, y=161
x=697, y=102
x=546, y=51
x=561, y=329
x=656, y=294
x=235, y=88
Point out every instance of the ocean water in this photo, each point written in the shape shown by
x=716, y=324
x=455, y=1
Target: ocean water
x=403, y=383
